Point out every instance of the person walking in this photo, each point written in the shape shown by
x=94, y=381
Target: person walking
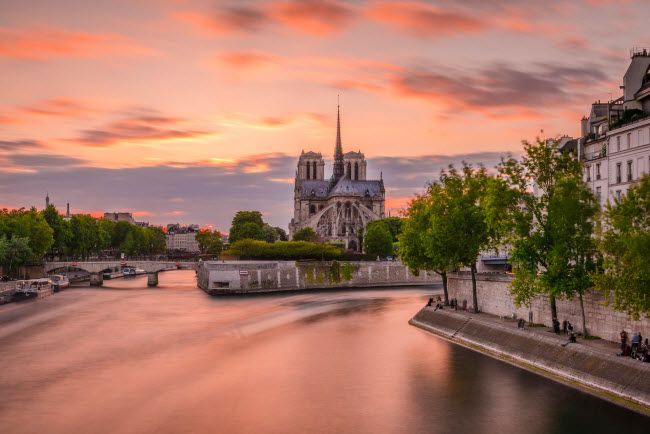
x=556, y=326
x=564, y=331
x=569, y=327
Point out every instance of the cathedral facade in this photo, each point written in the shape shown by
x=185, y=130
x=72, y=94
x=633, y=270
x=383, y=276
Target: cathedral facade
x=338, y=207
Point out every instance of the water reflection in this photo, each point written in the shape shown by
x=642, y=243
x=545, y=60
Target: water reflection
x=172, y=359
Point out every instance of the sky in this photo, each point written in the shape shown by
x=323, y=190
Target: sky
x=188, y=111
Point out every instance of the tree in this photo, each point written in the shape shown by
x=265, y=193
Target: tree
x=305, y=234
x=465, y=191
x=14, y=252
x=249, y=231
x=393, y=224
x=270, y=234
x=61, y=228
x=282, y=235
x=155, y=240
x=30, y=225
x=624, y=240
x=428, y=239
x=378, y=241
x=542, y=227
x=84, y=234
x=209, y=242
x=246, y=225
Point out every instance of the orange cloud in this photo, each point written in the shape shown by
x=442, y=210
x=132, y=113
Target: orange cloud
x=252, y=59
x=141, y=213
x=422, y=20
x=258, y=167
x=174, y=213
x=46, y=42
x=316, y=17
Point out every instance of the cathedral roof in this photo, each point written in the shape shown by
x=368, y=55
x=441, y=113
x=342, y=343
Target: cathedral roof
x=319, y=188
x=357, y=188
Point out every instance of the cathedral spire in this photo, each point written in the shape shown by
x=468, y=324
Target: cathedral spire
x=339, y=168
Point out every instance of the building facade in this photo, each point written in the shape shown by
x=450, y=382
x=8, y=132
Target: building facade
x=615, y=137
x=182, y=238
x=338, y=207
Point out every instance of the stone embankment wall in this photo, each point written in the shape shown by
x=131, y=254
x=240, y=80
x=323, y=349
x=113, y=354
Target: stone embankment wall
x=244, y=277
x=494, y=297
x=619, y=376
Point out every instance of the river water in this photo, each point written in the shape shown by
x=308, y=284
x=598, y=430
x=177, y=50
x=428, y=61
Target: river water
x=128, y=359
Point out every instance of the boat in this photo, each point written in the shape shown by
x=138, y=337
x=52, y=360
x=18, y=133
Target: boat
x=139, y=271
x=34, y=287
x=129, y=272
x=59, y=282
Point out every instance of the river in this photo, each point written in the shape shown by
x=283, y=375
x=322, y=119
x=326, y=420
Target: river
x=130, y=359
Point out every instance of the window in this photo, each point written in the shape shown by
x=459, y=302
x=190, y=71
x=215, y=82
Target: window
x=629, y=171
x=618, y=195
x=588, y=173
x=308, y=168
x=629, y=140
x=314, y=170
x=598, y=191
x=597, y=170
x=618, y=172
x=312, y=209
x=618, y=143
x=356, y=171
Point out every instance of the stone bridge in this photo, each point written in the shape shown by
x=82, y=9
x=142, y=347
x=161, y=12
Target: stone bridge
x=96, y=269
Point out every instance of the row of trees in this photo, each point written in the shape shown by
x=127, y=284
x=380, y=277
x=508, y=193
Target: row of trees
x=28, y=235
x=555, y=248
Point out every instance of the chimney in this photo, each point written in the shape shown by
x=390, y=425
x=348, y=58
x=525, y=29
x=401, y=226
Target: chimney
x=584, y=124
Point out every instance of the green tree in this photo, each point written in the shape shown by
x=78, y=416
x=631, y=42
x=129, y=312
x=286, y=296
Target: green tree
x=14, y=252
x=378, y=241
x=545, y=225
x=305, y=234
x=393, y=224
x=85, y=235
x=154, y=239
x=61, y=228
x=429, y=239
x=282, y=235
x=246, y=225
x=270, y=234
x=209, y=242
x=624, y=240
x=31, y=225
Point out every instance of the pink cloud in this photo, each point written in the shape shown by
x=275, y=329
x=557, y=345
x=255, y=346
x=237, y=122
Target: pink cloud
x=316, y=17
x=45, y=42
x=424, y=20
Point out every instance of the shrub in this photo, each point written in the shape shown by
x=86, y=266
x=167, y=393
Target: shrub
x=283, y=250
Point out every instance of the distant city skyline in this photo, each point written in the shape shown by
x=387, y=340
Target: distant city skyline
x=189, y=111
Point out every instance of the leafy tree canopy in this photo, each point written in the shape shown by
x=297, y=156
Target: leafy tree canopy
x=305, y=234
x=378, y=241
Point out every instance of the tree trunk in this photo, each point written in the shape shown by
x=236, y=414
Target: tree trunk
x=474, y=298
x=553, y=309
x=584, y=320
x=444, y=287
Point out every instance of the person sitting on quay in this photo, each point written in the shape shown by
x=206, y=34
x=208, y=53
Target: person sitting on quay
x=438, y=306
x=521, y=323
x=627, y=352
x=636, y=341
x=430, y=302
x=572, y=340
x=569, y=327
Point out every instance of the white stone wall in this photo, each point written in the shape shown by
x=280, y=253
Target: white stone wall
x=494, y=297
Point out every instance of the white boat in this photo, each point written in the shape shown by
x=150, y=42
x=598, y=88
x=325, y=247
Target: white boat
x=59, y=282
x=34, y=287
x=139, y=271
x=129, y=271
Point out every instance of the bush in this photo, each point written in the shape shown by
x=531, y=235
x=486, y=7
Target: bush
x=283, y=250
x=305, y=234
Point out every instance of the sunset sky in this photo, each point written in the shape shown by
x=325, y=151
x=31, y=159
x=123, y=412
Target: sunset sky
x=186, y=111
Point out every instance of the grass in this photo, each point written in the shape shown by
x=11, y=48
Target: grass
x=591, y=338
x=534, y=324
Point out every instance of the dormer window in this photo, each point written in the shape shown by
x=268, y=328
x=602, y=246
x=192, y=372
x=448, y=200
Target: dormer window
x=313, y=193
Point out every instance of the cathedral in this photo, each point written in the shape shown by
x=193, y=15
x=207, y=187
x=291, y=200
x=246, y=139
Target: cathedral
x=338, y=207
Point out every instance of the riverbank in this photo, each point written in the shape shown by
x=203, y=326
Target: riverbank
x=589, y=365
